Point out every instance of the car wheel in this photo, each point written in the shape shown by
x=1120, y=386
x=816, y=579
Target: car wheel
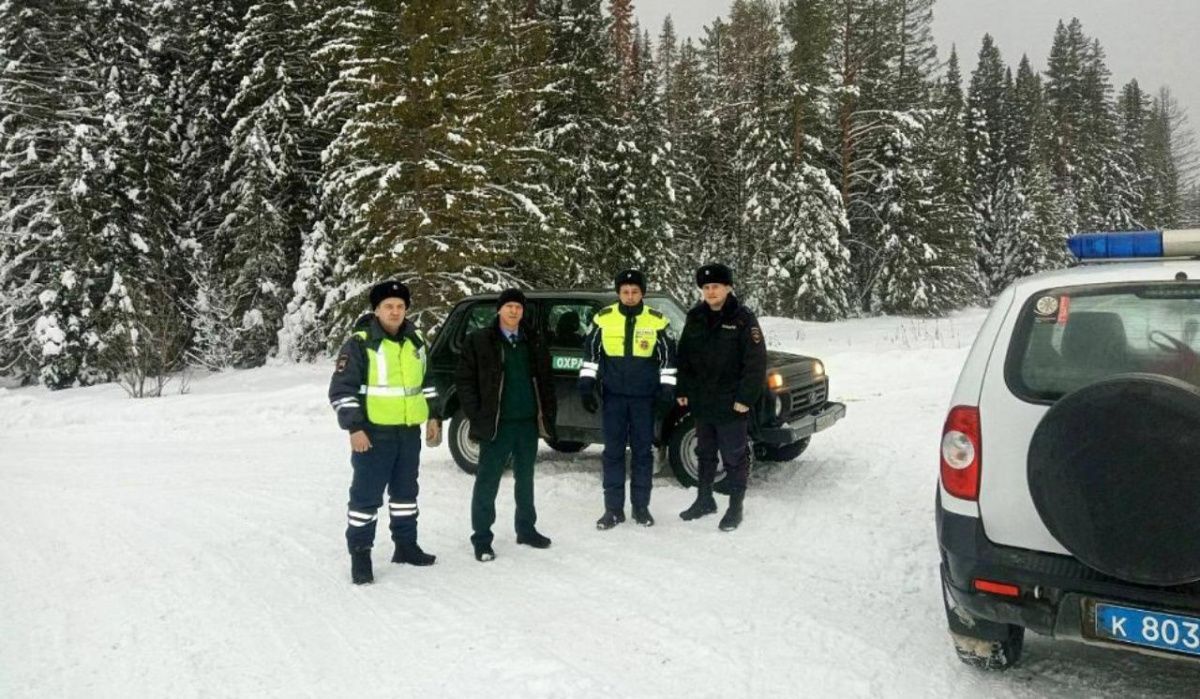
x=463, y=448
x=681, y=453
x=780, y=452
x=566, y=447
x=987, y=645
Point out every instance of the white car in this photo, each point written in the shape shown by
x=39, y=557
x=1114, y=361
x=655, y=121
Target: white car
x=1069, y=497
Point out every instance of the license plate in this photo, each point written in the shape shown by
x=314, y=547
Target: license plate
x=1141, y=627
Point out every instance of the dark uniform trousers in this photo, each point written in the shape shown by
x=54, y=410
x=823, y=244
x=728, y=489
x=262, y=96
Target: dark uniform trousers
x=730, y=440
x=391, y=462
x=518, y=439
x=628, y=420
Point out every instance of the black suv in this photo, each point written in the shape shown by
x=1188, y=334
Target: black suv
x=795, y=405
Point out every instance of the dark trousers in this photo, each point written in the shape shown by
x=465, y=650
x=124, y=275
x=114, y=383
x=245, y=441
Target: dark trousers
x=731, y=439
x=392, y=462
x=628, y=420
x=518, y=439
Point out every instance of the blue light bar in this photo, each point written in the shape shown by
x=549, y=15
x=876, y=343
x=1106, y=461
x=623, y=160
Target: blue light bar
x=1093, y=246
x=1135, y=244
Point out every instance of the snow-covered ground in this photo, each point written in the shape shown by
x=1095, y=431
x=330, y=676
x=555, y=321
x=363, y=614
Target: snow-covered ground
x=193, y=546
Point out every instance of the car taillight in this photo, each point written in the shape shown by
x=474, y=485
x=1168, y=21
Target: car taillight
x=961, y=448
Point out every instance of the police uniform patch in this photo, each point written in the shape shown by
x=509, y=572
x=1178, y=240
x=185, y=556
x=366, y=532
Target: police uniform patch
x=342, y=360
x=756, y=335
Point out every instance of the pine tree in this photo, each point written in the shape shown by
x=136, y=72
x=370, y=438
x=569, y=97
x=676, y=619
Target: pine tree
x=1029, y=232
x=36, y=117
x=432, y=180
x=950, y=226
x=578, y=125
x=119, y=273
x=986, y=150
x=271, y=172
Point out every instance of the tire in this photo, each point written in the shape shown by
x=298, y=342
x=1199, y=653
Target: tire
x=464, y=449
x=780, y=452
x=1106, y=474
x=983, y=644
x=566, y=447
x=681, y=453
x=990, y=655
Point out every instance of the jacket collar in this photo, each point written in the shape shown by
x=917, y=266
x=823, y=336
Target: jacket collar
x=729, y=310
x=631, y=311
x=375, y=331
x=524, y=331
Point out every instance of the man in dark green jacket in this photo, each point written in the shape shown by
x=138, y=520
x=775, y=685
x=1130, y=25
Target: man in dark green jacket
x=722, y=369
x=505, y=388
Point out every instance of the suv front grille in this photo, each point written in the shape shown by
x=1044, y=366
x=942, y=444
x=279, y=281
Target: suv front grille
x=802, y=399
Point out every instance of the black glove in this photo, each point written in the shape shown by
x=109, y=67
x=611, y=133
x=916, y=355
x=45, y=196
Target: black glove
x=587, y=395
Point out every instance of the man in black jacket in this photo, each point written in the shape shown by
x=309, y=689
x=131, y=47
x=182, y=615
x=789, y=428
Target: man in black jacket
x=505, y=388
x=722, y=368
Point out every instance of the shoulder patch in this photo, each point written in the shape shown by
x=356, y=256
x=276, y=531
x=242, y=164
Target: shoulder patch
x=654, y=312
x=756, y=335
x=342, y=360
x=604, y=311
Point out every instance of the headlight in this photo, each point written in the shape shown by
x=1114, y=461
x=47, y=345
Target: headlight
x=818, y=369
x=774, y=381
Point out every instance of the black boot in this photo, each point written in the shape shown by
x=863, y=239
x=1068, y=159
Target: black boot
x=642, y=516
x=704, y=505
x=534, y=539
x=733, y=516
x=360, y=566
x=409, y=552
x=484, y=553
x=610, y=519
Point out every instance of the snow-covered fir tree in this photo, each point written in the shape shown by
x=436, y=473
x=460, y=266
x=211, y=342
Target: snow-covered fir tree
x=434, y=177
x=270, y=174
x=36, y=119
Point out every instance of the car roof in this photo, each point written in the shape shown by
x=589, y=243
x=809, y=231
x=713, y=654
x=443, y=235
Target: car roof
x=607, y=294
x=1108, y=272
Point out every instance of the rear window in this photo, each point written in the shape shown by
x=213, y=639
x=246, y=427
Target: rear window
x=1070, y=337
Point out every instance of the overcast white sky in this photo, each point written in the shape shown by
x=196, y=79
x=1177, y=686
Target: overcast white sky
x=1154, y=41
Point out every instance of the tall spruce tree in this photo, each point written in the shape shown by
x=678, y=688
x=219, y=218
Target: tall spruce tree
x=37, y=117
x=431, y=178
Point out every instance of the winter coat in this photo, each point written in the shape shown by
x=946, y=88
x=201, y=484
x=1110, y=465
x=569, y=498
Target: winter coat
x=479, y=377
x=722, y=360
x=621, y=369
x=350, y=372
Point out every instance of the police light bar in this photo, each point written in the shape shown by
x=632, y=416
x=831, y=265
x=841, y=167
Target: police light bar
x=1127, y=244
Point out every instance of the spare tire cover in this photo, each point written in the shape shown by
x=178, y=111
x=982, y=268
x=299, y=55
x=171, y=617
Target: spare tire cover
x=1114, y=471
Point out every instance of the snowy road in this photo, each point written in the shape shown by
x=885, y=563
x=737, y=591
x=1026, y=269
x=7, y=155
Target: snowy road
x=193, y=545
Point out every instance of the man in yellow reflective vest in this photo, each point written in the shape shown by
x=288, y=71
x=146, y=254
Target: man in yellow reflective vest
x=630, y=354
x=381, y=395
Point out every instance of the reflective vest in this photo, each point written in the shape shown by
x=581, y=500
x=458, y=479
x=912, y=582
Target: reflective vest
x=395, y=374
x=645, y=331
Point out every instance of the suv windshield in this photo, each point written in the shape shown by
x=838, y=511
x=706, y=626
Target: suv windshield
x=1070, y=337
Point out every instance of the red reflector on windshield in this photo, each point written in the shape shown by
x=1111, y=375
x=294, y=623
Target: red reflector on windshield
x=997, y=588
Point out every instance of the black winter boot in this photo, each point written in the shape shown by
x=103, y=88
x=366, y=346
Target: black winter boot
x=642, y=516
x=409, y=552
x=610, y=519
x=360, y=566
x=733, y=516
x=535, y=539
x=704, y=505
x=484, y=553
